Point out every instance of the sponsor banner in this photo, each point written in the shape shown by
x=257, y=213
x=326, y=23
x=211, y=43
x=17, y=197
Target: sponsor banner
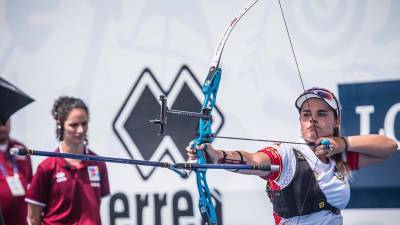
x=140, y=138
x=373, y=108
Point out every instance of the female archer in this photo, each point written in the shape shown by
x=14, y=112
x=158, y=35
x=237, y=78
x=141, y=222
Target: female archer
x=311, y=186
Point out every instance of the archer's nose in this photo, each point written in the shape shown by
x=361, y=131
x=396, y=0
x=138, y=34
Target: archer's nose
x=81, y=129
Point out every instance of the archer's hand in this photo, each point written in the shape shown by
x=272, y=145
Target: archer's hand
x=211, y=154
x=337, y=145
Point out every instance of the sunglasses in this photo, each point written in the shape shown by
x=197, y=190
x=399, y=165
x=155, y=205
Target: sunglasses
x=323, y=93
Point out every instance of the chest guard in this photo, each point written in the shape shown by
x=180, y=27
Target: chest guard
x=289, y=201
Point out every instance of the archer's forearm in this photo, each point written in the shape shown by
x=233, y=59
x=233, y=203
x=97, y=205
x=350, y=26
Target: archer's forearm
x=34, y=214
x=373, y=145
x=244, y=157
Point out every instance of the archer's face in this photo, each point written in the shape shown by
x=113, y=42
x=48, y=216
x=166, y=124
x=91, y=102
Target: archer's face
x=76, y=126
x=317, y=120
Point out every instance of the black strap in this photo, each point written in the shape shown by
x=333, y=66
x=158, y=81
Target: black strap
x=327, y=206
x=345, y=143
x=241, y=157
x=241, y=160
x=224, y=155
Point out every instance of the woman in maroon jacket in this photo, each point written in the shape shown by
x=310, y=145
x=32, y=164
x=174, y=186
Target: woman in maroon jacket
x=15, y=170
x=68, y=191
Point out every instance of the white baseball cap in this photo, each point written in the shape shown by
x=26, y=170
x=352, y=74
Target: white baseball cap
x=320, y=93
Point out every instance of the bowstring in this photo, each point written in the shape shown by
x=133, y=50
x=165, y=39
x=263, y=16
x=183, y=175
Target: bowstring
x=308, y=104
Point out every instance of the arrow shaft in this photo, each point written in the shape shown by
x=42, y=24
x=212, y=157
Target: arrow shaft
x=184, y=166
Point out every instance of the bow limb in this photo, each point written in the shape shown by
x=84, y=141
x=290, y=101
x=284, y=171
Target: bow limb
x=204, y=135
x=227, y=31
x=204, y=132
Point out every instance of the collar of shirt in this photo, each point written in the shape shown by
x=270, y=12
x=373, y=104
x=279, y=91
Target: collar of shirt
x=82, y=165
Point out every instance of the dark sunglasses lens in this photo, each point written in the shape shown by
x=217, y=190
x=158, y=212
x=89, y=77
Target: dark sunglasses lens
x=324, y=94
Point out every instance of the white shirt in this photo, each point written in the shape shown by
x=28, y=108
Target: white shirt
x=335, y=188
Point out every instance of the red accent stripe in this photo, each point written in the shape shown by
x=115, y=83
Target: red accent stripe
x=353, y=160
x=276, y=159
x=277, y=218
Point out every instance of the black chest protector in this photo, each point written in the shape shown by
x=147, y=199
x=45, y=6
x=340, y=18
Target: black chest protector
x=289, y=201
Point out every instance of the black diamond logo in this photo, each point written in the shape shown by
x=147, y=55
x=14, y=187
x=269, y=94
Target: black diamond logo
x=139, y=137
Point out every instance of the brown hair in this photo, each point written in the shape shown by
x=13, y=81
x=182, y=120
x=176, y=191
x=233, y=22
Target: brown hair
x=61, y=109
x=341, y=165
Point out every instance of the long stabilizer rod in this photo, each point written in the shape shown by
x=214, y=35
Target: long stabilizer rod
x=173, y=166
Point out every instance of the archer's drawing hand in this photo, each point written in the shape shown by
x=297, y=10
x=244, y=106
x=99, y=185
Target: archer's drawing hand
x=336, y=146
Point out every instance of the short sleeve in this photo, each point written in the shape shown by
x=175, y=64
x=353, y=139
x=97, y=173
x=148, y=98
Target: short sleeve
x=38, y=190
x=276, y=159
x=353, y=160
x=283, y=156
